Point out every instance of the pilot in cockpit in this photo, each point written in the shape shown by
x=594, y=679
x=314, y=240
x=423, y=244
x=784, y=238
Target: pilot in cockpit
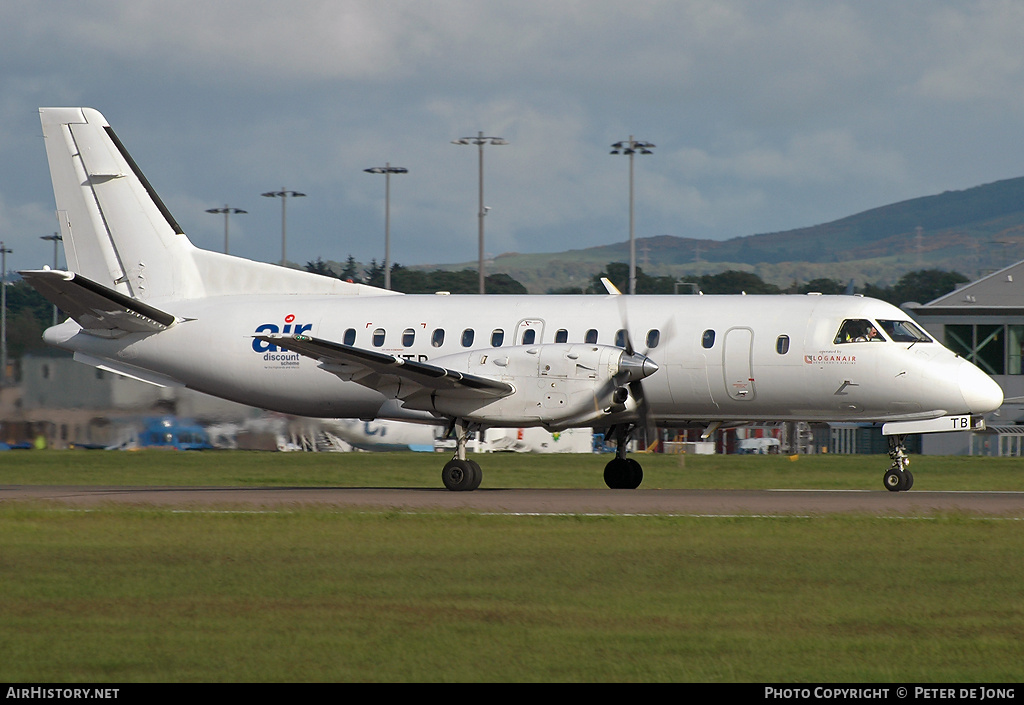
x=858, y=331
x=870, y=335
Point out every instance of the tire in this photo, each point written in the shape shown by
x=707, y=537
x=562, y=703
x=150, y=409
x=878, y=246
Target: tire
x=894, y=481
x=634, y=474
x=478, y=474
x=460, y=475
x=623, y=474
x=613, y=474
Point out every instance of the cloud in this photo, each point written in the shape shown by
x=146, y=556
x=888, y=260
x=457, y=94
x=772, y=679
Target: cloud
x=977, y=55
x=766, y=116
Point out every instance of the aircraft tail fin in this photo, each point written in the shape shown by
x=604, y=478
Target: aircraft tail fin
x=101, y=199
x=119, y=234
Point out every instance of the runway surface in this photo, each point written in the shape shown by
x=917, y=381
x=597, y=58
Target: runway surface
x=520, y=501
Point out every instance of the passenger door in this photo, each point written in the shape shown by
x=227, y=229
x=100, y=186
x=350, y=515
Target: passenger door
x=737, y=356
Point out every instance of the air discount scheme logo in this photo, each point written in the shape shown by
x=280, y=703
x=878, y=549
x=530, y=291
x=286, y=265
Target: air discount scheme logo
x=272, y=353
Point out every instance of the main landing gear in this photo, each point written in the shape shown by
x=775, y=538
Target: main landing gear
x=898, y=477
x=622, y=473
x=461, y=474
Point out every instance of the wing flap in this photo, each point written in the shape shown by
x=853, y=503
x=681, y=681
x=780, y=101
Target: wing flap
x=391, y=374
x=98, y=309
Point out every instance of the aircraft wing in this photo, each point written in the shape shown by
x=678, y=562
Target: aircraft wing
x=389, y=374
x=98, y=309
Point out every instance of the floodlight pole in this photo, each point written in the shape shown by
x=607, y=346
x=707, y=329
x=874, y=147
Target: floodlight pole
x=631, y=147
x=480, y=140
x=55, y=238
x=283, y=194
x=227, y=211
x=387, y=170
x=3, y=315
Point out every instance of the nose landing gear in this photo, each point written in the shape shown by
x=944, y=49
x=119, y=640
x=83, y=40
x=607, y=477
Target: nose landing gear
x=898, y=477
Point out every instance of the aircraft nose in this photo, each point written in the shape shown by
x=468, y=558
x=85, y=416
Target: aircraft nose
x=980, y=392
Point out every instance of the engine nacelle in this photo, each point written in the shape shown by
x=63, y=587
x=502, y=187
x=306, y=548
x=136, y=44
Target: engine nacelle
x=556, y=385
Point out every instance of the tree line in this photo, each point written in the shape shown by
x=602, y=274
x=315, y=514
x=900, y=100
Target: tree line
x=921, y=286
x=415, y=281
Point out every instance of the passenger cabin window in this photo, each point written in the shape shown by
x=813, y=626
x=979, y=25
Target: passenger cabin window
x=708, y=339
x=858, y=330
x=408, y=337
x=621, y=338
x=561, y=335
x=529, y=336
x=378, y=337
x=782, y=344
x=591, y=336
x=904, y=332
x=467, y=337
x=349, y=337
x=437, y=337
x=653, y=338
x=497, y=337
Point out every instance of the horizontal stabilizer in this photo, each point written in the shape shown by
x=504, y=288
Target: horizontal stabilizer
x=367, y=367
x=98, y=309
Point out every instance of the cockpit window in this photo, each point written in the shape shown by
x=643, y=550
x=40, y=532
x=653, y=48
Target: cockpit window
x=858, y=330
x=904, y=332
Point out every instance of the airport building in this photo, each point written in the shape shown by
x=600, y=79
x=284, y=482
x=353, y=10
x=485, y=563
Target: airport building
x=60, y=403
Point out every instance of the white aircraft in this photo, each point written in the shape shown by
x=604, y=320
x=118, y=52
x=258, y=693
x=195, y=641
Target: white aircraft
x=144, y=302
x=382, y=434
x=387, y=435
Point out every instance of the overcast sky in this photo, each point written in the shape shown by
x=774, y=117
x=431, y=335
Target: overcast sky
x=767, y=116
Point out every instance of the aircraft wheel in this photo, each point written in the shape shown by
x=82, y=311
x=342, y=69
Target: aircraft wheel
x=478, y=474
x=909, y=478
x=623, y=474
x=896, y=481
x=461, y=475
x=613, y=473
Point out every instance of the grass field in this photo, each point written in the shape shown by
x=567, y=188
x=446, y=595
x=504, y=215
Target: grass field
x=507, y=470
x=134, y=595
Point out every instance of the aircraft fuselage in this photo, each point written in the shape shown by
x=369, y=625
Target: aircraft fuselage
x=720, y=357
